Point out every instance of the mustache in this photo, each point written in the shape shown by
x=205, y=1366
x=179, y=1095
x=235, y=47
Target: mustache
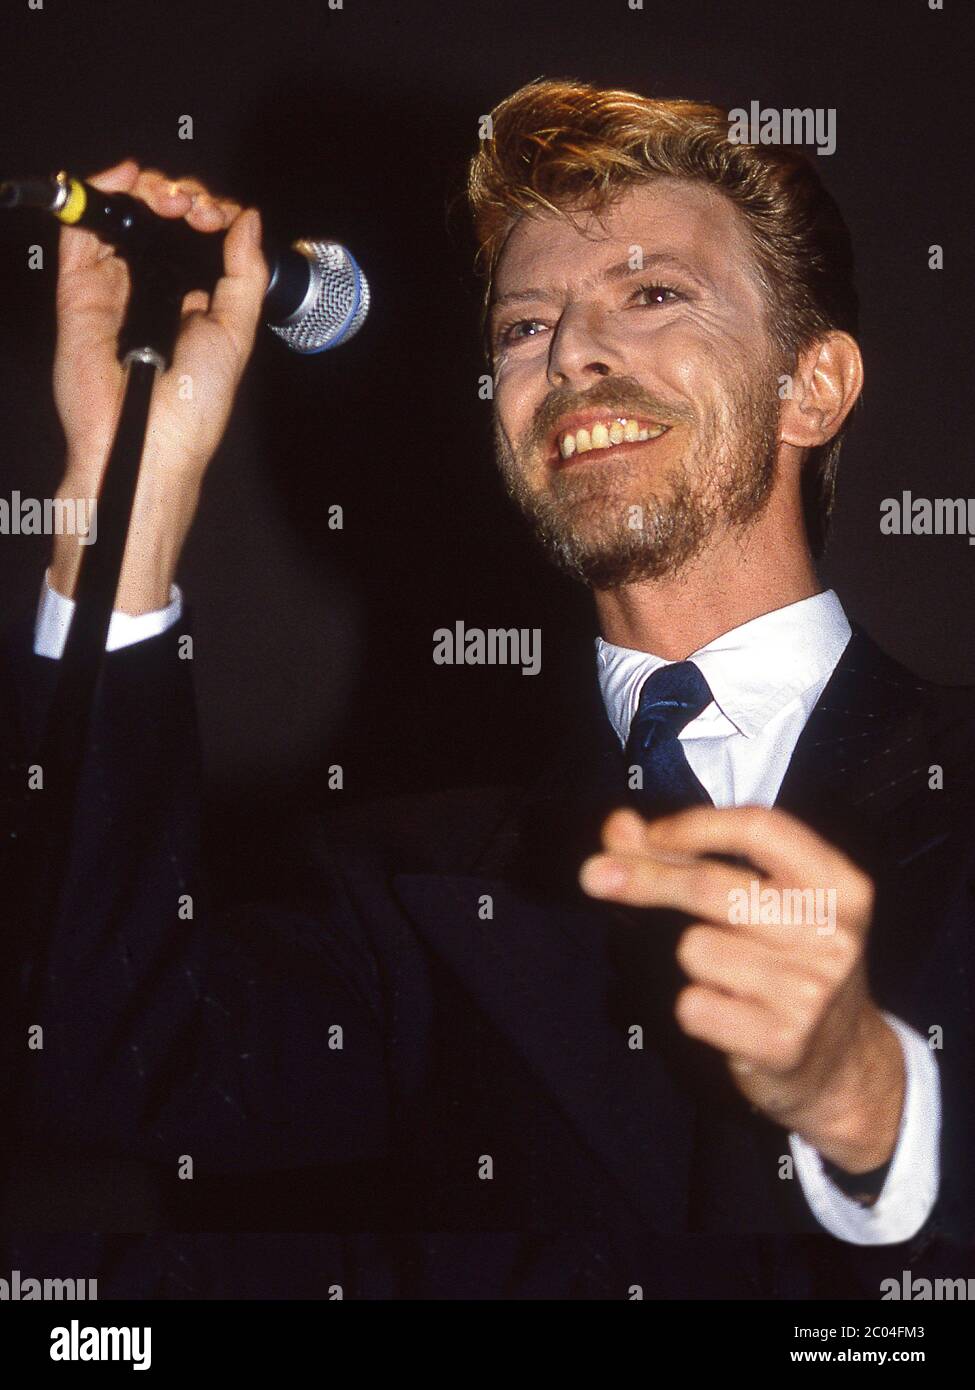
x=622, y=395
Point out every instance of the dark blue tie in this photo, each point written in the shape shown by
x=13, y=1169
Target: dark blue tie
x=669, y=699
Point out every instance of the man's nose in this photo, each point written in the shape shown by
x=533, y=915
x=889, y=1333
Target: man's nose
x=581, y=348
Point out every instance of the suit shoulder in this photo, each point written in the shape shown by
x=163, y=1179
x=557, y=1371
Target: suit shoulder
x=944, y=704
x=936, y=718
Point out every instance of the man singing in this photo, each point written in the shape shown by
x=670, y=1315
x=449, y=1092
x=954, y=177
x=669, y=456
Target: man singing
x=719, y=1050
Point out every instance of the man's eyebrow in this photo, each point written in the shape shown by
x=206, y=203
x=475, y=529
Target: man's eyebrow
x=622, y=271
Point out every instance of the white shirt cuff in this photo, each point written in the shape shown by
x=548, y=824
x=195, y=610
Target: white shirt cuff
x=55, y=611
x=911, y=1187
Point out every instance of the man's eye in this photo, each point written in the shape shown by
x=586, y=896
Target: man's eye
x=659, y=294
x=528, y=328
x=512, y=333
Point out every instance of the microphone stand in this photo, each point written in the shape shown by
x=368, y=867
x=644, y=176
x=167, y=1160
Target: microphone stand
x=146, y=345
x=145, y=348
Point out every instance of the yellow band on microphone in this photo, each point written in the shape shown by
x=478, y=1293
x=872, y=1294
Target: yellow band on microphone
x=75, y=203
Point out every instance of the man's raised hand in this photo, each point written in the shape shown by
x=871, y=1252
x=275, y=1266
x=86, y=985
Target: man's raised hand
x=787, y=1002
x=192, y=400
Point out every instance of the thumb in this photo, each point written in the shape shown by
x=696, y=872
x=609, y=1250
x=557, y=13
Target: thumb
x=78, y=249
x=239, y=294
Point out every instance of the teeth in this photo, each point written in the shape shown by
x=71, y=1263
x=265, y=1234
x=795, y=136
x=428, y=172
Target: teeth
x=604, y=436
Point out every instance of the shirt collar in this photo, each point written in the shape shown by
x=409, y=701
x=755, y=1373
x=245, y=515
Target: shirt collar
x=754, y=670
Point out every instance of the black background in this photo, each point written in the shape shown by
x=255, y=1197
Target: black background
x=314, y=646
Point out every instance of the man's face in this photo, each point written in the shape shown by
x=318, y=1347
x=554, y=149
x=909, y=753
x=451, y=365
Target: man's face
x=649, y=322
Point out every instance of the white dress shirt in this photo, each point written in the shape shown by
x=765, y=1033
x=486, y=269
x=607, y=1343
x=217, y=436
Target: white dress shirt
x=765, y=678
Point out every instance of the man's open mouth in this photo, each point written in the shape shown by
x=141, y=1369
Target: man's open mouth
x=611, y=433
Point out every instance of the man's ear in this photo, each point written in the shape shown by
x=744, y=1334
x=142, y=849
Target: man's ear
x=827, y=380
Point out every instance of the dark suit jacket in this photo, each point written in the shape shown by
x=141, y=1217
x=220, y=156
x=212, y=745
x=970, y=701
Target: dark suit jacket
x=420, y=1062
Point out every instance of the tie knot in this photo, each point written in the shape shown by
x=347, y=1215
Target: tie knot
x=670, y=699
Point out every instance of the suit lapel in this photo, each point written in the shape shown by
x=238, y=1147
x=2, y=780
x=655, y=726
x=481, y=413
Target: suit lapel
x=861, y=776
x=570, y=980
x=863, y=754
x=545, y=974
x=574, y=983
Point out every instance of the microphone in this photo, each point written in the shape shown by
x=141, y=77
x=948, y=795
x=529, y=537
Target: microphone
x=317, y=296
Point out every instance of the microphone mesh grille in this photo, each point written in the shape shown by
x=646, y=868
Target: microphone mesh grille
x=337, y=303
